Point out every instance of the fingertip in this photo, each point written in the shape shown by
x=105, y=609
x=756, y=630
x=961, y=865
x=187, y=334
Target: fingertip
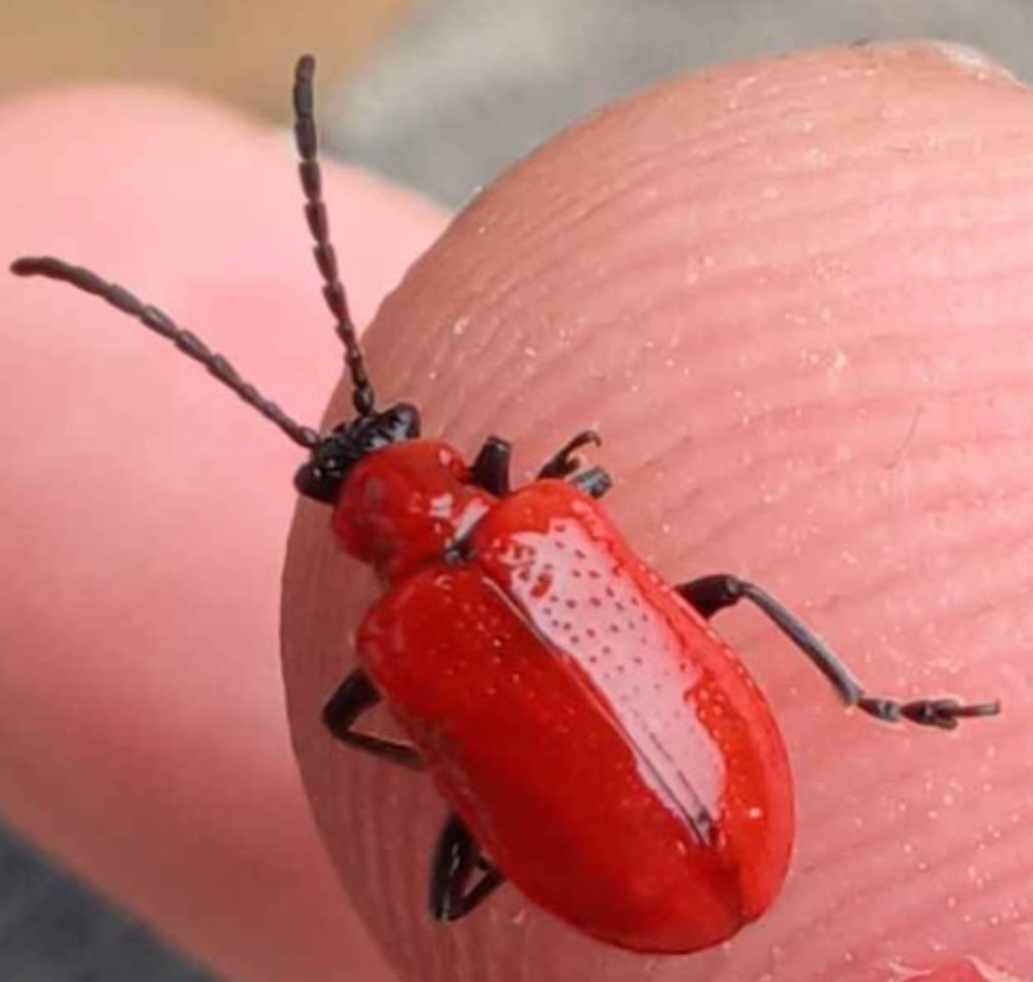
x=793, y=296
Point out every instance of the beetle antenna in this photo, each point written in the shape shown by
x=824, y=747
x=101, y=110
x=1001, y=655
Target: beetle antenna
x=307, y=140
x=190, y=344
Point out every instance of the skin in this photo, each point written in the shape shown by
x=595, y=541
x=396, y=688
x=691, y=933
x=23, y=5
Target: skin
x=795, y=298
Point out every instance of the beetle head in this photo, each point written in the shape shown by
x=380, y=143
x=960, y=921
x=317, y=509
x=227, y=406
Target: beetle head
x=321, y=477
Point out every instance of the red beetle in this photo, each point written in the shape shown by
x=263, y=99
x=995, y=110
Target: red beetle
x=597, y=743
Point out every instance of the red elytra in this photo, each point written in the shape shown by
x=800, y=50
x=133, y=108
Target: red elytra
x=597, y=744
x=600, y=743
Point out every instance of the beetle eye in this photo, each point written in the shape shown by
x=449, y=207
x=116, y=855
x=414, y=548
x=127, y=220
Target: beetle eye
x=310, y=480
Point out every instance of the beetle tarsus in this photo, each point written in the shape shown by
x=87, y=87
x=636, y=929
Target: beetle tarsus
x=454, y=891
x=594, y=482
x=565, y=461
x=943, y=713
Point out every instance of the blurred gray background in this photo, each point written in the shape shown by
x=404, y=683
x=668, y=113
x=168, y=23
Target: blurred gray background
x=464, y=88
x=460, y=89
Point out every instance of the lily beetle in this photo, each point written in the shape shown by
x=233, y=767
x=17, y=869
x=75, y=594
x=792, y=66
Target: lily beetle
x=596, y=743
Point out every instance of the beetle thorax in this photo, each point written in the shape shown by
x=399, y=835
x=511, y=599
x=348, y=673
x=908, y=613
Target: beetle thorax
x=407, y=505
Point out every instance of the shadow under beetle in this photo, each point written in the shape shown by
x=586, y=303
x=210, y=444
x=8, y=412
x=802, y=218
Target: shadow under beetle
x=596, y=742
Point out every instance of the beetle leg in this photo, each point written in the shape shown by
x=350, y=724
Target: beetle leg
x=594, y=482
x=457, y=859
x=711, y=594
x=563, y=463
x=490, y=470
x=355, y=696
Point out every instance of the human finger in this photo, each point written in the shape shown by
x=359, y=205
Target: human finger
x=143, y=735
x=794, y=297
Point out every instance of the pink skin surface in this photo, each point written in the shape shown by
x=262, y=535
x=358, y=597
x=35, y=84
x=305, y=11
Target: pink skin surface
x=795, y=296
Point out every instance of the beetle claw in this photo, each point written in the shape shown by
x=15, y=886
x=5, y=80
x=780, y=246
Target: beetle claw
x=943, y=713
x=565, y=461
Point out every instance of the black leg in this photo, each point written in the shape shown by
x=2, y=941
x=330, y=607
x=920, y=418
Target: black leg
x=457, y=859
x=355, y=696
x=710, y=594
x=563, y=463
x=595, y=482
x=491, y=468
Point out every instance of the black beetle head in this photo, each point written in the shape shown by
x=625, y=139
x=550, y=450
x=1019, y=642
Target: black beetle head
x=321, y=477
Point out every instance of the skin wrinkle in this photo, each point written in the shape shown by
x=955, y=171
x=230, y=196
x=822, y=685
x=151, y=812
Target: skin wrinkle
x=895, y=584
x=987, y=907
x=910, y=887
x=896, y=875
x=903, y=278
x=866, y=848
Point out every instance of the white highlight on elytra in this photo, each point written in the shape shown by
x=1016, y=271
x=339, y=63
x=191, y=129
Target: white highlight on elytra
x=634, y=658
